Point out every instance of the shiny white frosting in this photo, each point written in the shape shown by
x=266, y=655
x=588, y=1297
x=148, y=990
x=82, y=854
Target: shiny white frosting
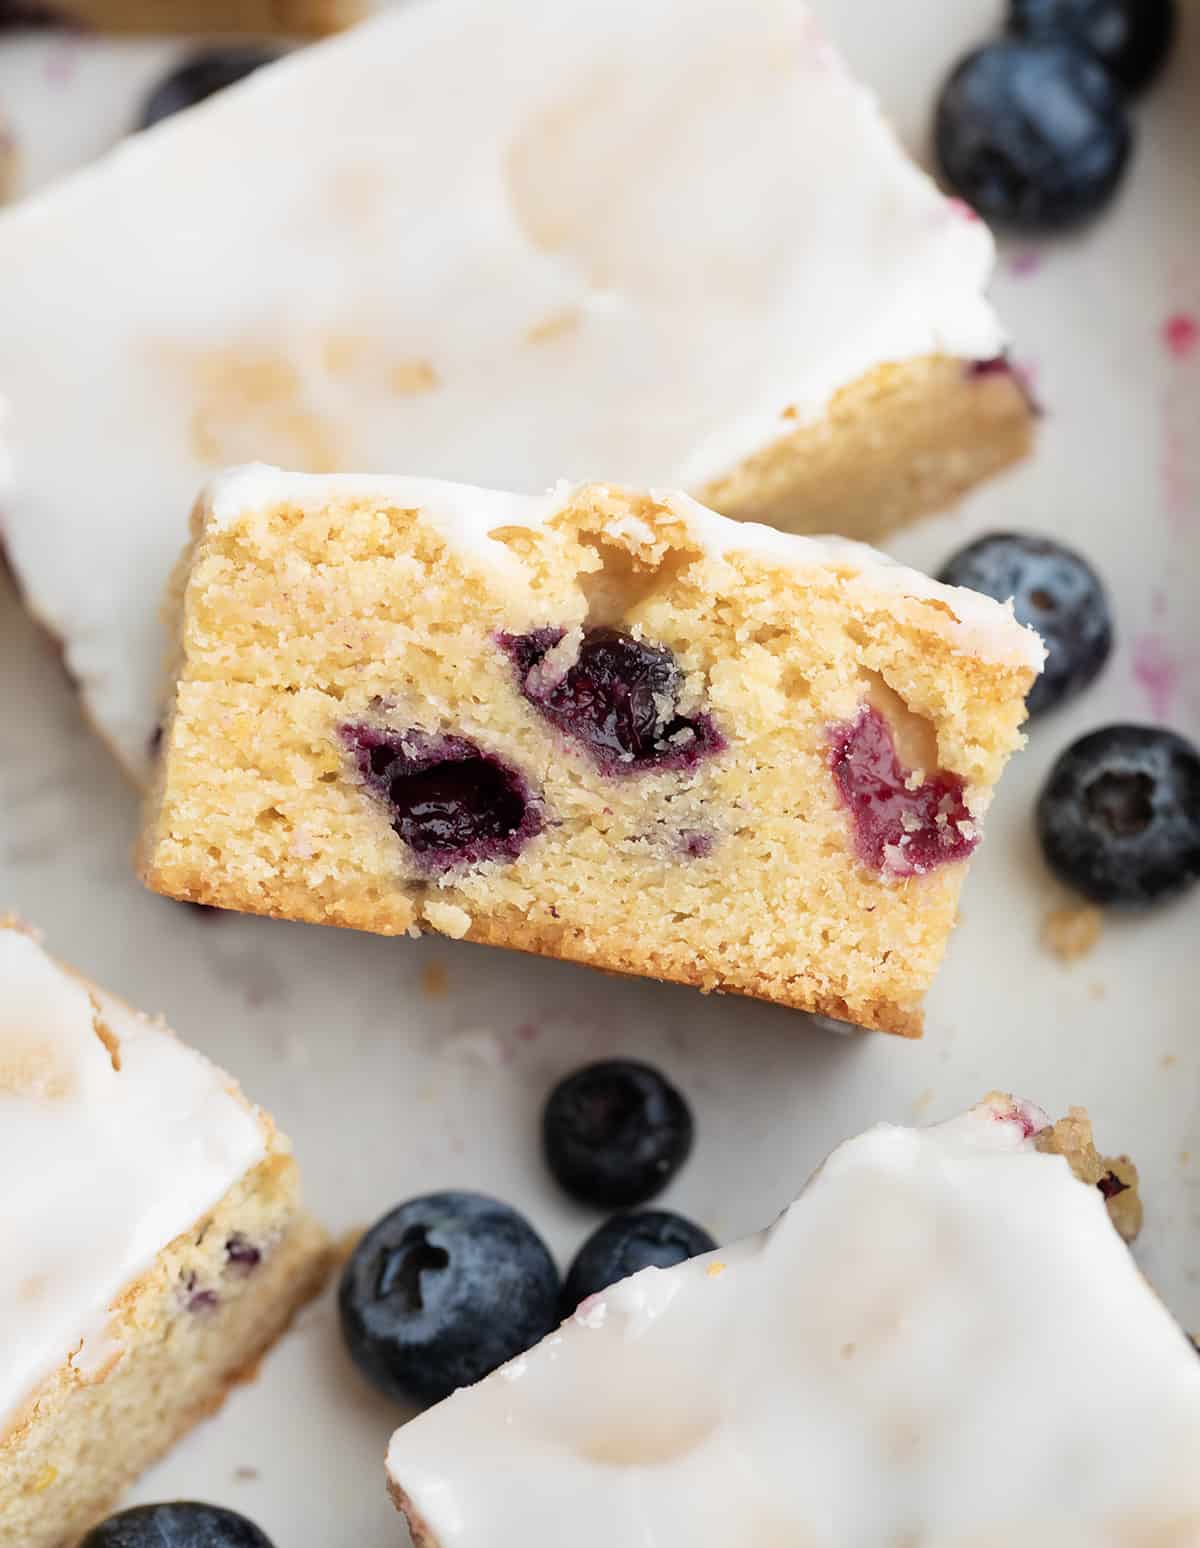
x=466, y=516
x=942, y=1344
x=100, y=1167
x=632, y=240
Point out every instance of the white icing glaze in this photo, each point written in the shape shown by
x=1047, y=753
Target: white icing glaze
x=615, y=239
x=942, y=1343
x=102, y=1167
x=466, y=516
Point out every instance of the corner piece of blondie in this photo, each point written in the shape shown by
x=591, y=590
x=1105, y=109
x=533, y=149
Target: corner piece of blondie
x=942, y=1341
x=154, y=1244
x=603, y=725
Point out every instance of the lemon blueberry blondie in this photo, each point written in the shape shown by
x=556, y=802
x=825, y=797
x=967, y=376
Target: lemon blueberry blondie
x=653, y=241
x=154, y=1244
x=942, y=1341
x=602, y=725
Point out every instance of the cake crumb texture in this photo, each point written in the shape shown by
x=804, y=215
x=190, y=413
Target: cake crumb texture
x=303, y=616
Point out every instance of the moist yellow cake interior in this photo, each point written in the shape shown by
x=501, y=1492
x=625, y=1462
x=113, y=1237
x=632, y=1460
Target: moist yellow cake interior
x=299, y=619
x=82, y=1440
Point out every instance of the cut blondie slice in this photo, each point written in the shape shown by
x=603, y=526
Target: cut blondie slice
x=292, y=17
x=642, y=240
x=942, y=1342
x=154, y=1245
x=606, y=726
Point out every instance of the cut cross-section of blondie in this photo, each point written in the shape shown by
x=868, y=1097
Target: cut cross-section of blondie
x=941, y=1342
x=601, y=725
x=638, y=240
x=152, y=1244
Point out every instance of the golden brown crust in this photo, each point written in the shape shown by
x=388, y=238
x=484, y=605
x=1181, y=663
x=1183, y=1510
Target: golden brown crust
x=418, y=1528
x=289, y=17
x=903, y=441
x=1115, y=1176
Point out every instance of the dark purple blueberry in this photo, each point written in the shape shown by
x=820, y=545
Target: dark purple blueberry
x=242, y=1253
x=442, y=1291
x=200, y=77
x=615, y=1133
x=1033, y=135
x=451, y=802
x=1119, y=816
x=198, y=1300
x=1130, y=38
x=619, y=699
x=653, y=1238
x=179, y=1525
x=1055, y=591
x=898, y=830
x=1110, y=1185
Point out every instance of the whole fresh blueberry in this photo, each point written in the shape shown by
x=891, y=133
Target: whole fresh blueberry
x=615, y=1133
x=653, y=1238
x=1034, y=135
x=1130, y=38
x=442, y=1291
x=619, y=699
x=200, y=77
x=179, y=1525
x=1055, y=591
x=1119, y=817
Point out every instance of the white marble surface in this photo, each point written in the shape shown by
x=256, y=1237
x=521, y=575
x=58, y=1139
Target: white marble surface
x=401, y=1066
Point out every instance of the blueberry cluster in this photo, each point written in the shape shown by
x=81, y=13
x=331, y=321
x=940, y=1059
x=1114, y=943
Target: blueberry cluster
x=1033, y=129
x=1119, y=816
x=447, y=1287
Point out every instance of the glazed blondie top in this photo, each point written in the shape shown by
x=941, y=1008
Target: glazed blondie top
x=114, y=1139
x=943, y=1341
x=438, y=242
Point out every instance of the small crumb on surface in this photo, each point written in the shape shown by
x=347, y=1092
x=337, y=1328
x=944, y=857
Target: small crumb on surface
x=435, y=980
x=1168, y=1061
x=1071, y=931
x=448, y=918
x=715, y=1269
x=246, y=1474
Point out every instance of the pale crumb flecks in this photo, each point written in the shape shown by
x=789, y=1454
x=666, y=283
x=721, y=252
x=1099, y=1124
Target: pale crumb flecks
x=715, y=1269
x=1072, y=930
x=448, y=918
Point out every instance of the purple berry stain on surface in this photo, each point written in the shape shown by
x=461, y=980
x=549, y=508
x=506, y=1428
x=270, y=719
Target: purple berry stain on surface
x=898, y=831
x=451, y=802
x=619, y=699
